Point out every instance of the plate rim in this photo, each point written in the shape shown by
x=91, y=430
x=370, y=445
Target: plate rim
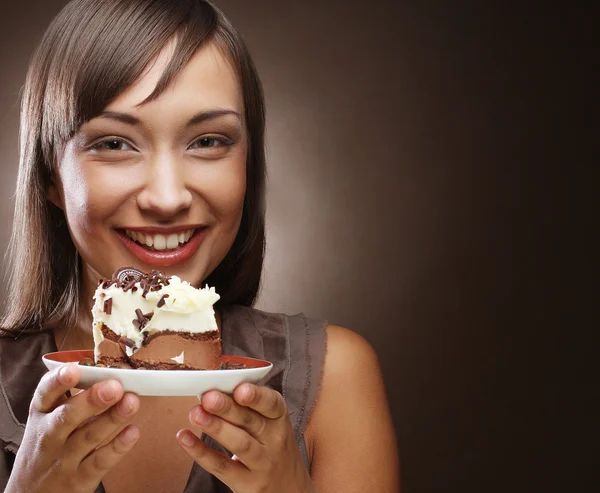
x=268, y=365
x=166, y=383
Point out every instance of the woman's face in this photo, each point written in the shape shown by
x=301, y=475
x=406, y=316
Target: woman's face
x=159, y=186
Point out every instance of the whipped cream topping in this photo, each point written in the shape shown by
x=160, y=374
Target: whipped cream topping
x=176, y=306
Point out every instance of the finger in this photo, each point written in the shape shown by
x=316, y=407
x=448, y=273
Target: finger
x=230, y=472
x=234, y=439
x=222, y=405
x=97, y=464
x=97, y=430
x=53, y=386
x=81, y=407
x=263, y=400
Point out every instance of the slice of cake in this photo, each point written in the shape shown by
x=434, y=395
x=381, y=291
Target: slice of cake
x=156, y=322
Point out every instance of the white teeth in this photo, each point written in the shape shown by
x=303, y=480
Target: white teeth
x=172, y=241
x=160, y=242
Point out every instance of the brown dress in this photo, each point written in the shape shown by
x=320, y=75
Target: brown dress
x=295, y=345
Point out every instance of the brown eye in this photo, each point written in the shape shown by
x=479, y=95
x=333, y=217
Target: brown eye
x=207, y=142
x=211, y=142
x=112, y=145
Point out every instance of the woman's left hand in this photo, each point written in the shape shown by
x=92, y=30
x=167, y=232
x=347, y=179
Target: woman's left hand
x=254, y=426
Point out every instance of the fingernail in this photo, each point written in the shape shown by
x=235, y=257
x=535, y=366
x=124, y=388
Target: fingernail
x=107, y=391
x=218, y=401
x=187, y=440
x=130, y=435
x=202, y=417
x=65, y=374
x=125, y=407
x=249, y=393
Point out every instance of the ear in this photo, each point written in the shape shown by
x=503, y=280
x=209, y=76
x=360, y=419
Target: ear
x=54, y=195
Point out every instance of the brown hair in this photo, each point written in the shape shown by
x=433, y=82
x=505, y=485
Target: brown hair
x=90, y=53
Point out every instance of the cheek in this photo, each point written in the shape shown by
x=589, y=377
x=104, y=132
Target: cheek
x=90, y=194
x=231, y=200
x=224, y=188
x=78, y=195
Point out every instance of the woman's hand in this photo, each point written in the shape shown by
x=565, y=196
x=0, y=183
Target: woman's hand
x=254, y=426
x=70, y=443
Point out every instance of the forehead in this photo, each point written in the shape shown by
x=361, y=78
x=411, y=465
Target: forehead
x=207, y=81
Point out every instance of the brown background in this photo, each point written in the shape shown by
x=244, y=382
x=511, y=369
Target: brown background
x=412, y=200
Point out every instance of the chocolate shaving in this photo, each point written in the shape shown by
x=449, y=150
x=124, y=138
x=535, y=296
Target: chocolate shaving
x=127, y=278
x=144, y=338
x=148, y=316
x=127, y=341
x=108, y=306
x=137, y=324
x=161, y=302
x=129, y=285
x=140, y=316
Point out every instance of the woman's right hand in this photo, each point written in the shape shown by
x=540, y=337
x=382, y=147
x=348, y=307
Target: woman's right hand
x=70, y=443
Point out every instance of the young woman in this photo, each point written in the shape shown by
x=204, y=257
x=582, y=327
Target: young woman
x=143, y=119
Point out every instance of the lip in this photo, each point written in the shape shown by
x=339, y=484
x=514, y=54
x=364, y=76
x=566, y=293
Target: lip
x=163, y=258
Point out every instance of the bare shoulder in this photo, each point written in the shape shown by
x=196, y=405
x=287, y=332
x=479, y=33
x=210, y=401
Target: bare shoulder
x=352, y=373
x=352, y=414
x=349, y=357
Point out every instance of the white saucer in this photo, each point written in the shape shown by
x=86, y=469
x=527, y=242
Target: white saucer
x=164, y=382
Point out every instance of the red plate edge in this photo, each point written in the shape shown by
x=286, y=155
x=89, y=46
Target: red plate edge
x=76, y=356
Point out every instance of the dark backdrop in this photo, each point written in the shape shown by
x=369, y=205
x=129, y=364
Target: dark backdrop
x=412, y=199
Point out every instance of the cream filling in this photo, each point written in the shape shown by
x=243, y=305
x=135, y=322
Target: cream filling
x=179, y=359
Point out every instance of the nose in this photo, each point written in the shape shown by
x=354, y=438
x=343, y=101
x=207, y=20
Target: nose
x=165, y=191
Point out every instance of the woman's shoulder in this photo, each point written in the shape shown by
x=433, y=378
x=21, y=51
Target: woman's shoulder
x=346, y=353
x=350, y=369
x=349, y=355
x=352, y=409
x=351, y=378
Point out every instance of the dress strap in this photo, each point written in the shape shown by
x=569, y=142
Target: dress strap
x=305, y=355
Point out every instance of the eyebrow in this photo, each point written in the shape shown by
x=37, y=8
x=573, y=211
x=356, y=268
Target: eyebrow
x=197, y=118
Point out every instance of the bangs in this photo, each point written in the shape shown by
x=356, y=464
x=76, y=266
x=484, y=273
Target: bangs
x=109, y=48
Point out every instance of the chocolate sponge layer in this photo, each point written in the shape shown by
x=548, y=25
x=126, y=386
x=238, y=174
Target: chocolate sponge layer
x=201, y=351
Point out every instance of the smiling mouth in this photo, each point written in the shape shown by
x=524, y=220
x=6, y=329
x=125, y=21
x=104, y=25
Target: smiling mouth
x=160, y=242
